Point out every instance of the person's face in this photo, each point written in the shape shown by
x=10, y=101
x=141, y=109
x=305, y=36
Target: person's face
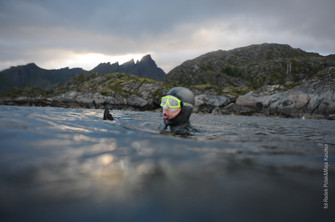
x=168, y=112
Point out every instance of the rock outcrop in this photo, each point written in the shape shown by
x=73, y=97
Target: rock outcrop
x=93, y=90
x=207, y=103
x=314, y=98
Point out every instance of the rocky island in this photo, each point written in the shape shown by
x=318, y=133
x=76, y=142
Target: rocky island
x=265, y=80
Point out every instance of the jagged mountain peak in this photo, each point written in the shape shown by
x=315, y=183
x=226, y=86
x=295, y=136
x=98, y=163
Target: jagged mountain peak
x=130, y=62
x=32, y=75
x=146, y=58
x=146, y=67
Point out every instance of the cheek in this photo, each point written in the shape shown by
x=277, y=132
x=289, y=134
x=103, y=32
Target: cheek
x=172, y=112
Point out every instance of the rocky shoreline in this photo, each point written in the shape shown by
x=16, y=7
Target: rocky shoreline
x=313, y=98
x=265, y=80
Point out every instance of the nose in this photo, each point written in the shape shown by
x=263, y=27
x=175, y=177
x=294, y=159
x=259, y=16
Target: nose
x=166, y=107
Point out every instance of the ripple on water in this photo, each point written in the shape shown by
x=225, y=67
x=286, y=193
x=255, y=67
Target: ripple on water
x=70, y=165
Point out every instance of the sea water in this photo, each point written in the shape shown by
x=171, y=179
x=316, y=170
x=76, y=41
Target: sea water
x=61, y=164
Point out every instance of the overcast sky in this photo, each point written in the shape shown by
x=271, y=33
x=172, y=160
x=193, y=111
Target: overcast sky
x=84, y=33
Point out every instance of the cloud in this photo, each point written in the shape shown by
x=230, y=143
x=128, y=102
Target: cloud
x=172, y=31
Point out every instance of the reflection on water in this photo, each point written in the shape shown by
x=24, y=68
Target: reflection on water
x=69, y=165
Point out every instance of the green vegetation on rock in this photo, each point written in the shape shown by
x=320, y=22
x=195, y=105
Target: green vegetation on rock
x=27, y=92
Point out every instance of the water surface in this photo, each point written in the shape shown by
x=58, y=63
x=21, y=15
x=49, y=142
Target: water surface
x=69, y=165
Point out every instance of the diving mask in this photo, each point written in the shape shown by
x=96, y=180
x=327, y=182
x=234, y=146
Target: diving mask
x=172, y=101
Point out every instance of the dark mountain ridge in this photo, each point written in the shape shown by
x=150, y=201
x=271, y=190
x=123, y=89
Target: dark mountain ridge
x=34, y=76
x=31, y=75
x=146, y=68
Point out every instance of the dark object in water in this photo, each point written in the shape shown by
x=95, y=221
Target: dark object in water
x=107, y=115
x=95, y=104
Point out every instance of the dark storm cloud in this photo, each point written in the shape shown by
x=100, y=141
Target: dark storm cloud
x=175, y=30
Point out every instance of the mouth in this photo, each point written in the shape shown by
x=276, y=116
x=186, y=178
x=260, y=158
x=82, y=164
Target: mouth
x=166, y=116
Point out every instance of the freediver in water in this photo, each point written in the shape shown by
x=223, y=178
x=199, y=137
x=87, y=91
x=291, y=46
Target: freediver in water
x=177, y=107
